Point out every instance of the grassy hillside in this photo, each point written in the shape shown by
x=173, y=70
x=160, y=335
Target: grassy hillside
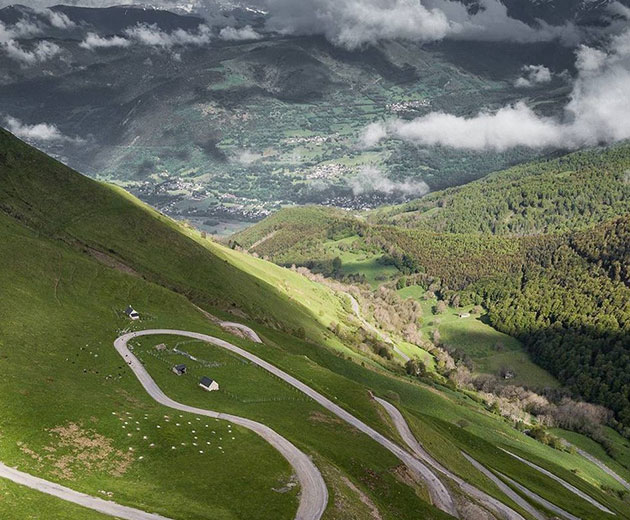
x=61, y=310
x=70, y=391
x=105, y=222
x=469, y=333
x=538, y=245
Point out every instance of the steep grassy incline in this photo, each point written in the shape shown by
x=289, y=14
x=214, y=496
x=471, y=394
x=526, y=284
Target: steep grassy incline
x=76, y=415
x=568, y=193
x=116, y=228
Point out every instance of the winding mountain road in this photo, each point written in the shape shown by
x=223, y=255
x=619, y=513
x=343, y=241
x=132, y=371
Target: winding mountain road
x=545, y=503
x=602, y=466
x=562, y=482
x=314, y=494
x=313, y=491
x=70, y=495
x=488, y=501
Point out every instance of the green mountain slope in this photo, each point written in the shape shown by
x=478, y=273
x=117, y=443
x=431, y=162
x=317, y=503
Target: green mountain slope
x=571, y=192
x=76, y=415
x=105, y=222
x=561, y=288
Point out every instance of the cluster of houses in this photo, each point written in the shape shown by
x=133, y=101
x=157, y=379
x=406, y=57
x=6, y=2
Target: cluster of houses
x=205, y=382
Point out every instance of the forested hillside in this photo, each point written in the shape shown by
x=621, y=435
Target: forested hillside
x=572, y=312
x=568, y=193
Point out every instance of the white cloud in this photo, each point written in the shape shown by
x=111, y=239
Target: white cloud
x=372, y=180
x=22, y=29
x=94, y=41
x=38, y=53
x=244, y=33
x=153, y=36
x=492, y=23
x=619, y=9
x=533, y=75
x=511, y=126
x=353, y=23
x=56, y=19
x=247, y=157
x=373, y=134
x=41, y=52
x=41, y=132
x=598, y=112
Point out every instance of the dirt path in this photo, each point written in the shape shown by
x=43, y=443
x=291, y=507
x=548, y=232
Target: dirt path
x=439, y=494
x=261, y=240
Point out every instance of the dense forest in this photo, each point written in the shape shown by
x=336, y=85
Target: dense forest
x=572, y=312
x=568, y=193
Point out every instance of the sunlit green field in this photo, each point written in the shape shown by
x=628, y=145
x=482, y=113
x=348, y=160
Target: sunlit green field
x=490, y=350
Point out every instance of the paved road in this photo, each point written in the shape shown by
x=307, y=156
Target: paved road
x=356, y=308
x=98, y=504
x=489, y=501
x=602, y=466
x=551, y=507
x=564, y=483
x=439, y=494
x=313, y=492
x=250, y=333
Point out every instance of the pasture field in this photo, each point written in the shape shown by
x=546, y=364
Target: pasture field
x=490, y=350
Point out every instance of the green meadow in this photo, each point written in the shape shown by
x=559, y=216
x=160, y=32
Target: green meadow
x=490, y=350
